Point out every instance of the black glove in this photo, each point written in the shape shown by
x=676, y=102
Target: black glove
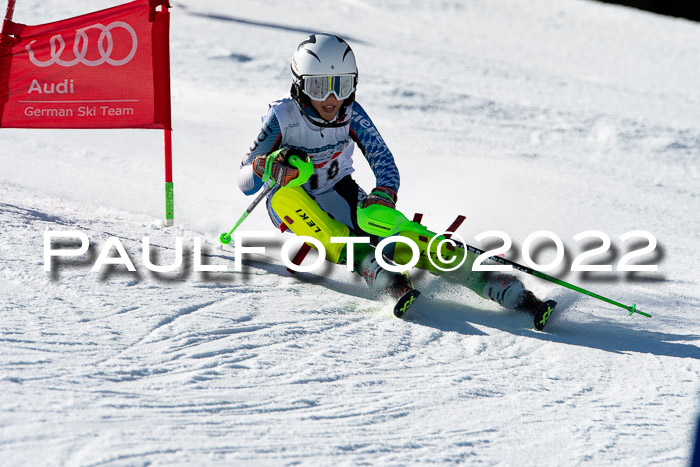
x=282, y=172
x=381, y=195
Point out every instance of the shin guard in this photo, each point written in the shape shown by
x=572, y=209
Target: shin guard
x=433, y=260
x=305, y=218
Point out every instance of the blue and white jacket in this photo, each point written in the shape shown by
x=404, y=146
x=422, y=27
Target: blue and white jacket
x=330, y=149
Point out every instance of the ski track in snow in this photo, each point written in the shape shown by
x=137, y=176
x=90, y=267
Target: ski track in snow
x=125, y=363
x=263, y=368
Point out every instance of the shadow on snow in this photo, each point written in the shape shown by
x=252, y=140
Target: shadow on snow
x=450, y=316
x=233, y=19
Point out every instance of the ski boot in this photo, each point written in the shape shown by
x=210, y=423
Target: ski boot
x=509, y=292
x=397, y=285
x=504, y=289
x=540, y=310
x=402, y=290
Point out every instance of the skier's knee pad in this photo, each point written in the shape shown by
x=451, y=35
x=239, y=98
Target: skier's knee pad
x=305, y=218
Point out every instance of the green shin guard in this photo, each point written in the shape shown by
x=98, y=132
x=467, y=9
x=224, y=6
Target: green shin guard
x=438, y=257
x=305, y=218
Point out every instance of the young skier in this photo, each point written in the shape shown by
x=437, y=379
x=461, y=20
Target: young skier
x=323, y=120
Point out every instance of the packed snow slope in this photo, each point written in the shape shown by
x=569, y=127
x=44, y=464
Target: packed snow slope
x=565, y=116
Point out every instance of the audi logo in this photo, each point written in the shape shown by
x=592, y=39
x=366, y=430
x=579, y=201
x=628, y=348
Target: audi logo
x=80, y=47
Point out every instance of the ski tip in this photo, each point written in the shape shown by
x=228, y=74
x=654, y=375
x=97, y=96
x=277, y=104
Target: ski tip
x=405, y=302
x=543, y=313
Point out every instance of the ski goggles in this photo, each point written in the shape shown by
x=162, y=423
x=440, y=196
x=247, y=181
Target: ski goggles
x=319, y=88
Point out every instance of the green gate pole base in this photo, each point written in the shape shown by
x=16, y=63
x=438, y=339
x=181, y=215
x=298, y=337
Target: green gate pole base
x=169, y=220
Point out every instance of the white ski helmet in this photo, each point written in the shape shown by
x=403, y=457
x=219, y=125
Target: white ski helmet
x=324, y=55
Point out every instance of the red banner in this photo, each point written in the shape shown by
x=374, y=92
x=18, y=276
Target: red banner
x=108, y=69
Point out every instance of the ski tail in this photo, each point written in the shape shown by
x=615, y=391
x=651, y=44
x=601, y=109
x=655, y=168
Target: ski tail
x=405, y=302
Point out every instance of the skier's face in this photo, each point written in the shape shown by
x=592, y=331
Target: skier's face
x=329, y=108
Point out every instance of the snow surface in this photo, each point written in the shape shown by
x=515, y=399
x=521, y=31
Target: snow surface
x=559, y=115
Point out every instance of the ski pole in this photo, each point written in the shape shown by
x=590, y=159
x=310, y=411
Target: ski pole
x=306, y=169
x=498, y=259
x=225, y=237
x=384, y=221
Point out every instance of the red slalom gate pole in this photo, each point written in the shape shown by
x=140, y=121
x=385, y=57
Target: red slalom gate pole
x=8, y=15
x=169, y=197
x=10, y=10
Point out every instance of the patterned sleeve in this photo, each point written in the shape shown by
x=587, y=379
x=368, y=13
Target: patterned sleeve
x=370, y=142
x=268, y=141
